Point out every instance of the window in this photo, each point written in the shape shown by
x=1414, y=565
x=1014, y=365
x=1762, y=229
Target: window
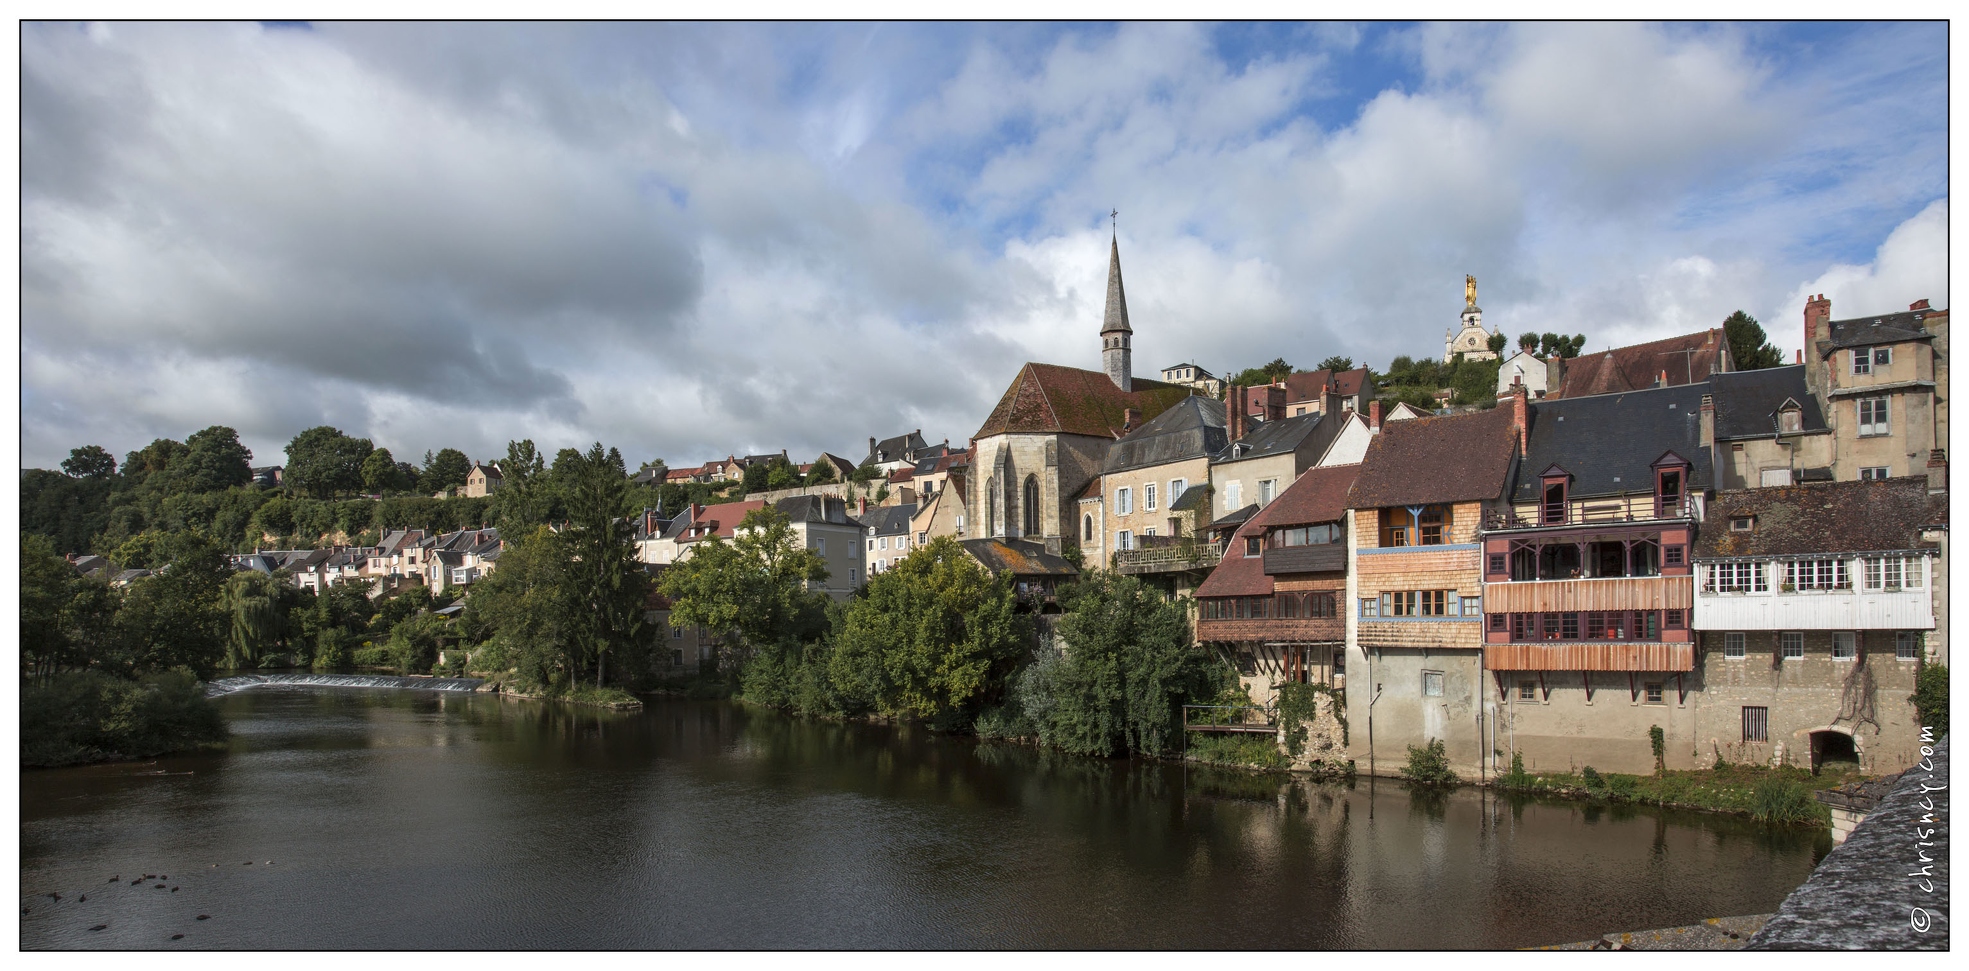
x=1651, y=692
x=1032, y=527
x=1394, y=527
x=1497, y=563
x=1553, y=509
x=1791, y=645
x=1498, y=622
x=1402, y=603
x=820, y=545
x=1736, y=578
x=871, y=545
x=1842, y=645
x=1756, y=723
x=1370, y=607
x=1883, y=572
x=1789, y=420
x=1817, y=575
x=884, y=541
x=1087, y=528
x=1862, y=360
x=1907, y=646
x=1672, y=619
x=677, y=657
x=1233, y=495
x=1434, y=520
x=1671, y=555
x=1873, y=416
x=1873, y=472
x=1176, y=488
x=1148, y=497
x=1733, y=645
x=1473, y=606
x=1254, y=546
x=851, y=574
x=1742, y=524
x=922, y=536
x=1124, y=540
x=1883, y=356
x=1432, y=684
x=902, y=542
x=1149, y=531
x=1435, y=603
x=1528, y=691
x=1124, y=501
x=1265, y=490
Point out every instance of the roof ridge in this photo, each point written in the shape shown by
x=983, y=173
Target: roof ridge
x=1051, y=413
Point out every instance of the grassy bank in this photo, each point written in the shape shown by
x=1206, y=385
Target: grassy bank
x=89, y=716
x=1781, y=795
x=609, y=697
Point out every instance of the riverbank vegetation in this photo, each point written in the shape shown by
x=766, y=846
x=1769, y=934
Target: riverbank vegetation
x=1781, y=795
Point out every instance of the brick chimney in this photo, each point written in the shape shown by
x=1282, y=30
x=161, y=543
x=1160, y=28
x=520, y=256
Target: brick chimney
x=1800, y=359
x=1234, y=403
x=1937, y=471
x=1818, y=317
x=1528, y=345
x=1374, y=414
x=1708, y=422
x=1130, y=418
x=1921, y=304
x=1520, y=419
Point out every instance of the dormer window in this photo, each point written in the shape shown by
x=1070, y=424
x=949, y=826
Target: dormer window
x=1742, y=524
x=1790, y=418
x=1671, y=484
x=1552, y=500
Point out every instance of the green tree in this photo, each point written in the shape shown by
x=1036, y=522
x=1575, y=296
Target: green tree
x=755, y=585
x=1564, y=347
x=934, y=636
x=523, y=499
x=323, y=463
x=822, y=472
x=156, y=457
x=90, y=462
x=1496, y=344
x=380, y=473
x=782, y=475
x=867, y=471
x=1128, y=666
x=607, y=590
x=518, y=607
x=176, y=616
x=44, y=594
x=1277, y=370
x=214, y=460
x=253, y=600
x=1749, y=350
x=446, y=470
x=1337, y=363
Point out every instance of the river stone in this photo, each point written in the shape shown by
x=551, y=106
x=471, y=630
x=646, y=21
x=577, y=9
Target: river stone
x=1870, y=892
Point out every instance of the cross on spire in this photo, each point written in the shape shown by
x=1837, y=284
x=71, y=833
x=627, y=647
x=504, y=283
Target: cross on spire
x=1114, y=227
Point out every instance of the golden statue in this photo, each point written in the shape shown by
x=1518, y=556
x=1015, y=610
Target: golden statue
x=1469, y=290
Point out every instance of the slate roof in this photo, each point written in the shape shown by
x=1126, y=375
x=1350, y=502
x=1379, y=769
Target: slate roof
x=1319, y=495
x=1448, y=458
x=1018, y=557
x=1234, y=518
x=1193, y=428
x=1274, y=437
x=1640, y=365
x=1610, y=442
x=842, y=467
x=898, y=448
x=814, y=509
x=1048, y=398
x=1115, y=316
x=1821, y=517
x=888, y=520
x=1747, y=402
x=1237, y=575
x=1880, y=329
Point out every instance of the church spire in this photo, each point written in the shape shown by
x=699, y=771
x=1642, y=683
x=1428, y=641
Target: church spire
x=1116, y=335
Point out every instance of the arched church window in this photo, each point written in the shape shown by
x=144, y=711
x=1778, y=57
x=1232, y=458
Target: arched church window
x=991, y=507
x=1031, y=506
x=1087, y=529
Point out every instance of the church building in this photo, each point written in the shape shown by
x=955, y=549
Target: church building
x=1471, y=341
x=1051, y=431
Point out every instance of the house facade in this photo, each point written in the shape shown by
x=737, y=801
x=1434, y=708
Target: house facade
x=886, y=535
x=1205, y=383
x=1326, y=392
x=1814, y=607
x=1145, y=475
x=1588, y=626
x=1770, y=429
x=1275, y=604
x=822, y=524
x=483, y=480
x=1264, y=458
x=1885, y=398
x=1417, y=583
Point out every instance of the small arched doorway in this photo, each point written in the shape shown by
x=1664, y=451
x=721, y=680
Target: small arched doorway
x=1834, y=749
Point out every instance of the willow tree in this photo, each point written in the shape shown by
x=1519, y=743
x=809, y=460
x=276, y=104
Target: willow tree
x=253, y=600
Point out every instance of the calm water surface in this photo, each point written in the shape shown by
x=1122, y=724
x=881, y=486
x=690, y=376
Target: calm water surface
x=402, y=819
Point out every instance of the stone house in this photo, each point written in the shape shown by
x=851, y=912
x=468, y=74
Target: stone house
x=1326, y=392
x=1588, y=633
x=1525, y=369
x=1415, y=610
x=886, y=535
x=1813, y=608
x=1883, y=380
x=1263, y=458
x=1204, y=383
x=822, y=524
x=1770, y=429
x=1145, y=474
x=483, y=480
x=1275, y=602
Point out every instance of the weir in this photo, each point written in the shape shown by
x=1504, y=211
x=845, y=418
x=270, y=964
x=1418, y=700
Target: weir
x=226, y=686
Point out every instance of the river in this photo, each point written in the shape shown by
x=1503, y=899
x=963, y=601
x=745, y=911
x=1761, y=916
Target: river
x=367, y=818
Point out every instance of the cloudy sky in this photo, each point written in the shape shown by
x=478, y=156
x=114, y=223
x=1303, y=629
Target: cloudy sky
x=696, y=240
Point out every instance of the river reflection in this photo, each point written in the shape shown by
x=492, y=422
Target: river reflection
x=399, y=819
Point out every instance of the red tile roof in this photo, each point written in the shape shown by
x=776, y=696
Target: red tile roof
x=1686, y=360
x=1238, y=575
x=1452, y=458
x=1050, y=398
x=723, y=518
x=1319, y=495
x=1314, y=384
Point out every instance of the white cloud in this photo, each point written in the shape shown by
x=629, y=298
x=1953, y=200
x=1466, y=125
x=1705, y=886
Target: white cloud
x=1911, y=265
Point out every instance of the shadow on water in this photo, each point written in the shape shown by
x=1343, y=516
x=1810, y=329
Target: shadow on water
x=405, y=819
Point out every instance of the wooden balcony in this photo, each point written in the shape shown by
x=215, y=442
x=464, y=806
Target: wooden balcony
x=1272, y=629
x=1585, y=512
x=1609, y=593
x=1603, y=656
x=1168, y=554
x=1315, y=558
